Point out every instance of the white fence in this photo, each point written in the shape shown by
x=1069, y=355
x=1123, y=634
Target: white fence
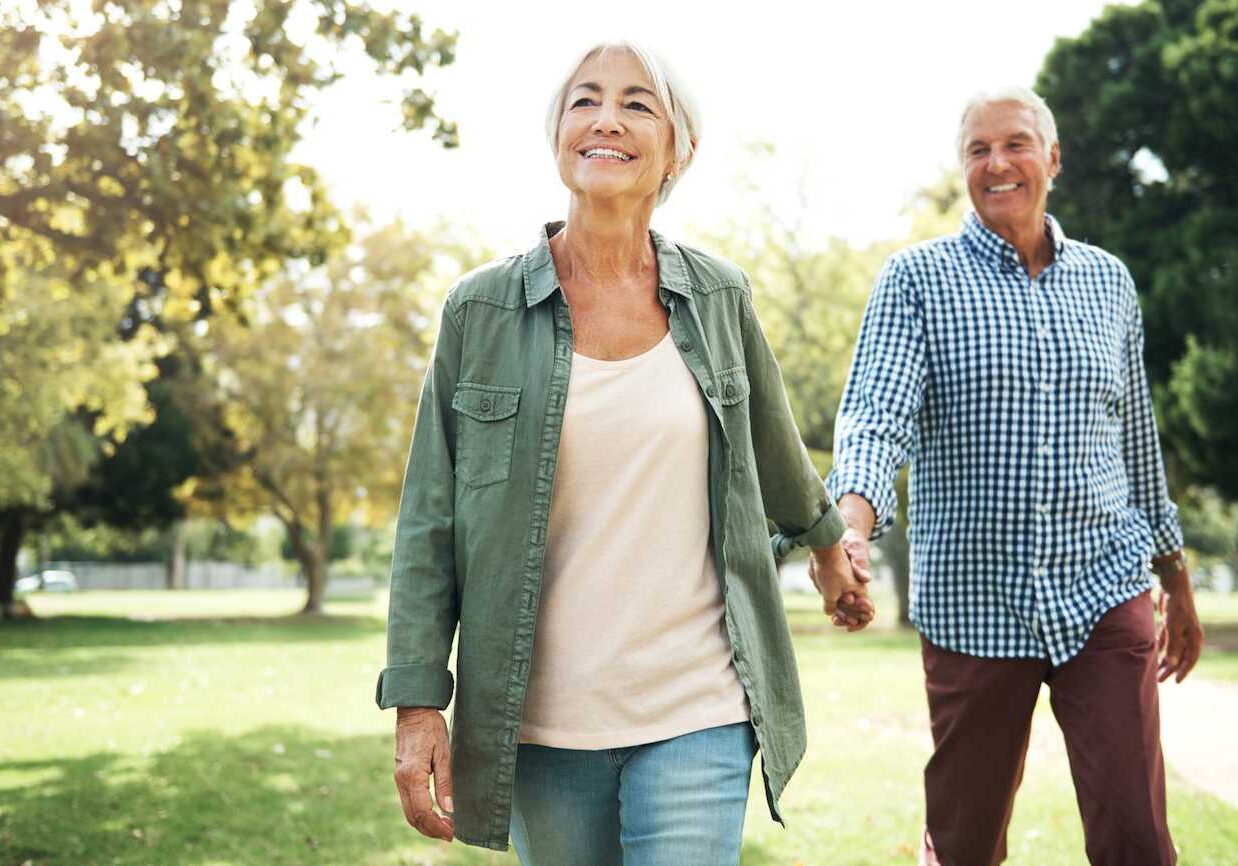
x=199, y=574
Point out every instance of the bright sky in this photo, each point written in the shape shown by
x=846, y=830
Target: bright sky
x=860, y=101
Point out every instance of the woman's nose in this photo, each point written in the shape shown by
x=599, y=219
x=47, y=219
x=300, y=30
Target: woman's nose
x=607, y=120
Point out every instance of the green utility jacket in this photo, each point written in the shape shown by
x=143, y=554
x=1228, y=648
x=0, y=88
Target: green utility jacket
x=476, y=504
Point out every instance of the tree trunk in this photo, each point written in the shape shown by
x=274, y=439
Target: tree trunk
x=315, y=568
x=12, y=528
x=320, y=551
x=312, y=557
x=176, y=578
x=896, y=551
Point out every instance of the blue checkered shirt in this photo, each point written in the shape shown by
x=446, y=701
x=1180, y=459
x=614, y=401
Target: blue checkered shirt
x=1037, y=488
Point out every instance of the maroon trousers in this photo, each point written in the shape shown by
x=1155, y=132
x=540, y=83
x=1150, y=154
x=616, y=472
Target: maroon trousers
x=1105, y=701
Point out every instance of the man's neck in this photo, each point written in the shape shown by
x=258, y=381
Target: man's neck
x=1031, y=241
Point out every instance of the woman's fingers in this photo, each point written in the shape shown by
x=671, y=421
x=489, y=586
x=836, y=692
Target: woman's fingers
x=422, y=750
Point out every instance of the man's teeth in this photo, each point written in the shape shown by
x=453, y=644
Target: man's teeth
x=606, y=153
x=1006, y=187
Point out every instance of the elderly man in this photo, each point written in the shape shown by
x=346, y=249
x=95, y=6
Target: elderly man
x=1006, y=363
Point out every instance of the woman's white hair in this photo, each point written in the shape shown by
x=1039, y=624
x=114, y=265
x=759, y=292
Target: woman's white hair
x=1046, y=126
x=671, y=91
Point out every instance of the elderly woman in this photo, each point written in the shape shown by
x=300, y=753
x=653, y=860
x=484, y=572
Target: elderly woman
x=600, y=439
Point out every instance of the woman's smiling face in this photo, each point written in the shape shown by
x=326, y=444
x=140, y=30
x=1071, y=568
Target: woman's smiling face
x=615, y=135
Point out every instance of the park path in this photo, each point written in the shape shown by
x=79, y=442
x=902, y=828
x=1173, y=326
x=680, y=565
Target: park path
x=1197, y=734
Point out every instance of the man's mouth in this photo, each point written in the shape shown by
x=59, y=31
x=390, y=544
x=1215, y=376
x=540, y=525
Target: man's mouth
x=607, y=153
x=1005, y=187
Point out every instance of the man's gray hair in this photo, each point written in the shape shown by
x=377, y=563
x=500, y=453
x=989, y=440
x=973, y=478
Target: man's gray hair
x=1046, y=126
x=671, y=91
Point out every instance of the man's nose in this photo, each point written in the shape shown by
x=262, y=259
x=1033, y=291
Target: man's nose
x=998, y=162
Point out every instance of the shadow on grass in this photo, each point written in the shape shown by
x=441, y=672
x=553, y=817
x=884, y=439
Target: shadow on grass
x=278, y=795
x=87, y=632
x=19, y=662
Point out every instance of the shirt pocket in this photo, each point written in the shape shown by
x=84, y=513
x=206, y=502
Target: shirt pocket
x=485, y=432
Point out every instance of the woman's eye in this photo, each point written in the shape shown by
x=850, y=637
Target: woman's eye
x=640, y=106
x=582, y=102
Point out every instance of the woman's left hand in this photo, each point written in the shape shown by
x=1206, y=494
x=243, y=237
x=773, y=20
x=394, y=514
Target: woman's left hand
x=841, y=576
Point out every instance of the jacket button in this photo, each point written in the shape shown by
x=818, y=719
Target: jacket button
x=730, y=390
x=486, y=405
x=685, y=346
x=710, y=391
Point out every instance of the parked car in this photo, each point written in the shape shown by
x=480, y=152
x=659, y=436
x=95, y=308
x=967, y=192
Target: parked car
x=52, y=580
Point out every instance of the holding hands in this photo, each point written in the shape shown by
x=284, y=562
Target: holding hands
x=841, y=574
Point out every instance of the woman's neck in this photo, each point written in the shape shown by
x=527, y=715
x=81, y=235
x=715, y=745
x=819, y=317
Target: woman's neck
x=604, y=245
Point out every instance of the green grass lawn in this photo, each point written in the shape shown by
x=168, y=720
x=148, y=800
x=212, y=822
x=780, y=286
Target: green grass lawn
x=218, y=728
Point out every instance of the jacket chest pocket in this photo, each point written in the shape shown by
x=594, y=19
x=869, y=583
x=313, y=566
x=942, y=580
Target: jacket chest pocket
x=485, y=432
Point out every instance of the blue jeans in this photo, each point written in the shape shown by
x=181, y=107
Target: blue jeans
x=678, y=802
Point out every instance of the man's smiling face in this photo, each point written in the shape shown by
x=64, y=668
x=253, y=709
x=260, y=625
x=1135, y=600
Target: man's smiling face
x=1008, y=167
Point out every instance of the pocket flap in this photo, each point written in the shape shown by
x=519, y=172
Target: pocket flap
x=486, y=402
x=732, y=385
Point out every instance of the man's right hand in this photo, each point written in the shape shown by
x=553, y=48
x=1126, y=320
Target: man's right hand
x=421, y=751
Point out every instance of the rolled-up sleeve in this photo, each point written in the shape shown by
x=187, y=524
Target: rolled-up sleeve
x=1141, y=450
x=792, y=493
x=424, y=608
x=876, y=425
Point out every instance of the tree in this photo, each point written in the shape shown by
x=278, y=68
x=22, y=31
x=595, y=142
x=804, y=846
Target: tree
x=319, y=385
x=146, y=145
x=1146, y=110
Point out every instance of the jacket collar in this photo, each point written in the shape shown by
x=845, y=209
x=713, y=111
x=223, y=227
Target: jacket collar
x=991, y=247
x=541, y=281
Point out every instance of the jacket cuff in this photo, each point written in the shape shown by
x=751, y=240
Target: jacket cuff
x=415, y=685
x=828, y=529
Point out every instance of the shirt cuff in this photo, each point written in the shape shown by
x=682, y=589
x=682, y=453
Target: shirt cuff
x=828, y=529
x=880, y=496
x=1167, y=534
x=415, y=685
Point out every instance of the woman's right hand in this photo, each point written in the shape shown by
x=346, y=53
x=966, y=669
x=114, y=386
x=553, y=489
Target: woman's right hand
x=421, y=751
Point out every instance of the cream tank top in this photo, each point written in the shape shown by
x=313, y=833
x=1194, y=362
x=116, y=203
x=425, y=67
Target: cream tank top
x=631, y=644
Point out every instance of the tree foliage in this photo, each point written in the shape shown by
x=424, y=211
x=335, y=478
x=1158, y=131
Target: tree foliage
x=1147, y=103
x=158, y=134
x=66, y=382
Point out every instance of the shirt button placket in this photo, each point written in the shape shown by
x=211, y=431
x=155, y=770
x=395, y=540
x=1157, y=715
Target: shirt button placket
x=1041, y=431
